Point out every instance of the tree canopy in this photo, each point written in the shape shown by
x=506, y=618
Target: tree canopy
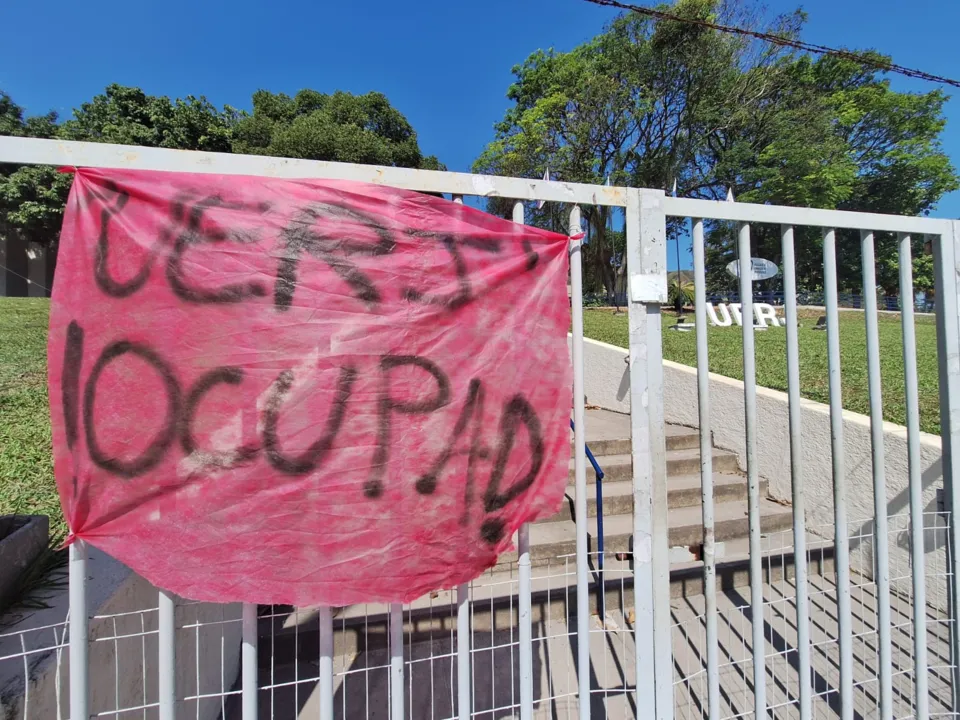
x=311, y=125
x=341, y=127
x=651, y=103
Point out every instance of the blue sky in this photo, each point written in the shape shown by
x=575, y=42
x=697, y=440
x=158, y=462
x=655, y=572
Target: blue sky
x=444, y=63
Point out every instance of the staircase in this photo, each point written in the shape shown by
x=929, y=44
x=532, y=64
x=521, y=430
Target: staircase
x=553, y=553
x=608, y=437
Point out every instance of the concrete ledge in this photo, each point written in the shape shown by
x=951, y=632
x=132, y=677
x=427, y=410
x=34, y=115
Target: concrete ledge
x=22, y=539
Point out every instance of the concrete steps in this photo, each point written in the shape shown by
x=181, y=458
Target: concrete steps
x=682, y=491
x=608, y=437
x=552, y=540
x=553, y=551
x=362, y=628
x=679, y=462
x=678, y=438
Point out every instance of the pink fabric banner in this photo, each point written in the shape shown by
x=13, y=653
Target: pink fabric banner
x=301, y=391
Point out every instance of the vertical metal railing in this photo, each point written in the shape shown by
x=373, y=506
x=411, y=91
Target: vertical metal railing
x=396, y=661
x=524, y=601
x=753, y=479
x=167, y=684
x=881, y=552
x=248, y=662
x=796, y=473
x=580, y=467
x=706, y=474
x=325, y=673
x=917, y=546
x=598, y=484
x=464, y=639
x=947, y=287
x=841, y=535
x=79, y=648
x=646, y=264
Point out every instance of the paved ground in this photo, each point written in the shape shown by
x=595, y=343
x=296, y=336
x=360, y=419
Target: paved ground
x=362, y=683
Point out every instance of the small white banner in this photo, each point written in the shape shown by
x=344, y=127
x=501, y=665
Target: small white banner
x=760, y=269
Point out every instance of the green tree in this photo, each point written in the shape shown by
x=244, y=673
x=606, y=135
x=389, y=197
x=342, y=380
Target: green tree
x=128, y=116
x=649, y=103
x=340, y=127
x=32, y=198
x=841, y=138
x=637, y=104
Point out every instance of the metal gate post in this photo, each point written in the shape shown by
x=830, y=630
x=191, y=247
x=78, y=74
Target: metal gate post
x=947, y=287
x=79, y=629
x=647, y=269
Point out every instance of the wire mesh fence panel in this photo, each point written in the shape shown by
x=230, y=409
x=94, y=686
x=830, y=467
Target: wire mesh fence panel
x=780, y=635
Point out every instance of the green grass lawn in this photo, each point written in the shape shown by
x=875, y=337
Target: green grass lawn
x=26, y=463
x=726, y=358
x=26, y=467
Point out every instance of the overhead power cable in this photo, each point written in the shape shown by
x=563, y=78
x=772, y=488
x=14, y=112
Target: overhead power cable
x=784, y=42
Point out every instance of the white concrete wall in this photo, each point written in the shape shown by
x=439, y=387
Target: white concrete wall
x=123, y=673
x=607, y=385
x=607, y=377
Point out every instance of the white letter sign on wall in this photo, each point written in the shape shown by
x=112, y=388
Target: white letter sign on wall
x=762, y=312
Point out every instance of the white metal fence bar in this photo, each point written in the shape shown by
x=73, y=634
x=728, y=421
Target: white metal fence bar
x=783, y=215
x=464, y=681
x=642, y=473
x=79, y=649
x=464, y=639
x=524, y=601
x=396, y=661
x=646, y=264
x=796, y=472
x=580, y=468
x=706, y=473
x=917, y=545
x=881, y=552
x=841, y=542
x=753, y=480
x=325, y=673
x=654, y=249
x=947, y=287
x=248, y=662
x=167, y=681
x=37, y=151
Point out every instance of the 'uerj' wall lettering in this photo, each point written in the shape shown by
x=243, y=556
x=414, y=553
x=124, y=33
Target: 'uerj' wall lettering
x=303, y=392
x=725, y=315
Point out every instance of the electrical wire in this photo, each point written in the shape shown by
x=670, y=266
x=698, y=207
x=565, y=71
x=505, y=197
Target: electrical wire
x=4, y=268
x=784, y=42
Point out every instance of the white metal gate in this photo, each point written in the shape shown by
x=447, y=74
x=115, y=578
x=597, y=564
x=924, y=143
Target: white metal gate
x=648, y=630
x=915, y=691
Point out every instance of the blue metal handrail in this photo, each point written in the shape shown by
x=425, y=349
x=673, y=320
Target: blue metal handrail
x=601, y=594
